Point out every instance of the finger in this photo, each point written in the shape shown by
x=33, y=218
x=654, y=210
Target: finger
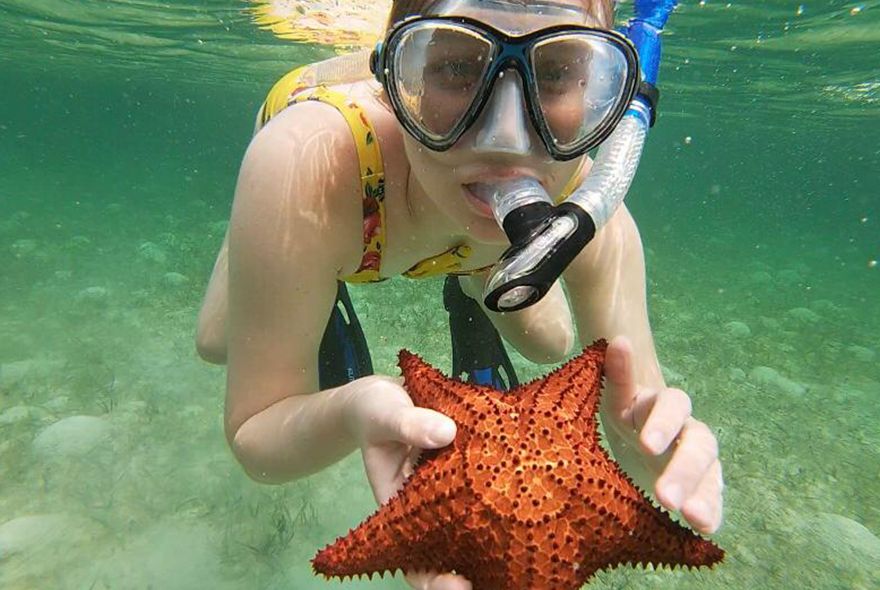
x=694, y=454
x=421, y=427
x=620, y=375
x=670, y=410
x=705, y=508
x=434, y=581
x=386, y=465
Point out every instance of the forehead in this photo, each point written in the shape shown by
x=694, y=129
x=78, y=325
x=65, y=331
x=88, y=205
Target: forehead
x=516, y=17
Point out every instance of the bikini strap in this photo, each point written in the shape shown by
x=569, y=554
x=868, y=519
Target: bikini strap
x=372, y=176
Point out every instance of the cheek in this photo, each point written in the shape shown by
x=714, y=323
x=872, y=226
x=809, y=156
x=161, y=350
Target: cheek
x=562, y=174
x=435, y=176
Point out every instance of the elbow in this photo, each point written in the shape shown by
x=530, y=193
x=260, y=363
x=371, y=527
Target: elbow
x=211, y=347
x=552, y=348
x=246, y=451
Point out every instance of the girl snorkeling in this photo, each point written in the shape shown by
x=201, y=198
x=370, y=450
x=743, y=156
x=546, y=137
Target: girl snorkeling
x=411, y=172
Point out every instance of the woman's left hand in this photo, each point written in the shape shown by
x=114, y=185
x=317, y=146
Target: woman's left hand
x=679, y=452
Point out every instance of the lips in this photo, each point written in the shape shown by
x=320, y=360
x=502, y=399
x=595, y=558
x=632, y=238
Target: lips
x=479, y=196
x=483, y=191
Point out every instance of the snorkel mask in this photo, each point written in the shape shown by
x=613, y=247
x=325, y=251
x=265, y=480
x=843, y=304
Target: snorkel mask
x=446, y=73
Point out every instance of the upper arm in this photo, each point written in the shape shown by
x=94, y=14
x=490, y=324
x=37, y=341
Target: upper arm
x=541, y=332
x=607, y=279
x=295, y=226
x=607, y=285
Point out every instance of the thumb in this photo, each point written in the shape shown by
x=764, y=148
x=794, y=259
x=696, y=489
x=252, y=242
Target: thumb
x=620, y=374
x=423, y=428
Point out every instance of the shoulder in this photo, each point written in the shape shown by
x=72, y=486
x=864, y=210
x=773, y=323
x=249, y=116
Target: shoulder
x=299, y=177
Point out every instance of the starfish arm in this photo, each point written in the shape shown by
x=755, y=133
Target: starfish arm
x=660, y=541
x=429, y=388
x=402, y=534
x=570, y=394
x=634, y=529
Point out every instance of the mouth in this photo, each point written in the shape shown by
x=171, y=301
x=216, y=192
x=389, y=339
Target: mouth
x=478, y=195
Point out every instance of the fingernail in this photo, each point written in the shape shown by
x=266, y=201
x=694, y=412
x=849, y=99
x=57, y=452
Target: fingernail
x=654, y=442
x=674, y=495
x=442, y=432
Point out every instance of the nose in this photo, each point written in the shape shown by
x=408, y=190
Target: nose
x=502, y=126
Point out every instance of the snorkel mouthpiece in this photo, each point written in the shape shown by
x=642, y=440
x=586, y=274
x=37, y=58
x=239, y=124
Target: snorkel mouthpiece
x=543, y=241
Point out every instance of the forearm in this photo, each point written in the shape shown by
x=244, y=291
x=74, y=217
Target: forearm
x=609, y=299
x=298, y=435
x=609, y=294
x=543, y=333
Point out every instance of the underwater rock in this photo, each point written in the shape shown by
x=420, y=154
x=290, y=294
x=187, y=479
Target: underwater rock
x=770, y=377
x=71, y=437
x=860, y=353
x=38, y=533
x=770, y=323
x=190, y=412
x=17, y=372
x=14, y=221
x=790, y=277
x=760, y=277
x=673, y=378
x=79, y=242
x=23, y=248
x=14, y=372
x=844, y=546
x=736, y=374
x=825, y=306
x=92, y=296
x=17, y=414
x=738, y=330
x=174, y=279
x=152, y=253
x=218, y=227
x=170, y=556
x=854, y=535
x=803, y=316
x=57, y=403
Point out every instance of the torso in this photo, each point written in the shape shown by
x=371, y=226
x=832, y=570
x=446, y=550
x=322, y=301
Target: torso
x=415, y=229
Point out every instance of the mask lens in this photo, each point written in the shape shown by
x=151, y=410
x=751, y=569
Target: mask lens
x=581, y=80
x=438, y=71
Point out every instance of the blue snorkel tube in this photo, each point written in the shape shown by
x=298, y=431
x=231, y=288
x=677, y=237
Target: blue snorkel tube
x=644, y=32
x=533, y=262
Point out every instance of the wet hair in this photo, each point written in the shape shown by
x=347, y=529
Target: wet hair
x=603, y=10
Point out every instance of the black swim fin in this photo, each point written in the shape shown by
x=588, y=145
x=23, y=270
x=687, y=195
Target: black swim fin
x=478, y=354
x=344, y=355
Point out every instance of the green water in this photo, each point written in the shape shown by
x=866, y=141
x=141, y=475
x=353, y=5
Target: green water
x=122, y=124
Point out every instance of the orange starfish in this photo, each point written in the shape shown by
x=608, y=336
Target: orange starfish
x=524, y=498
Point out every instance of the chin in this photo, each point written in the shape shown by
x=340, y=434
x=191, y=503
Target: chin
x=483, y=230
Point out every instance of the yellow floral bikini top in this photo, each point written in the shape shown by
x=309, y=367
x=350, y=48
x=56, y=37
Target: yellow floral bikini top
x=289, y=90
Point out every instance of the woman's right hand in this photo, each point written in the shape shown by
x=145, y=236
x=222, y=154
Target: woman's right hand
x=391, y=433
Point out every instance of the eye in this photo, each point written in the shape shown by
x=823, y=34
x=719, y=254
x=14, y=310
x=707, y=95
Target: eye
x=558, y=77
x=460, y=72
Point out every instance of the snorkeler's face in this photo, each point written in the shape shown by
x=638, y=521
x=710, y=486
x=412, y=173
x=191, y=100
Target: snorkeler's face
x=502, y=143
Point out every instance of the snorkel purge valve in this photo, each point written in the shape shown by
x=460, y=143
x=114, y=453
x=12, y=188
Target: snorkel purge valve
x=545, y=238
x=543, y=241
